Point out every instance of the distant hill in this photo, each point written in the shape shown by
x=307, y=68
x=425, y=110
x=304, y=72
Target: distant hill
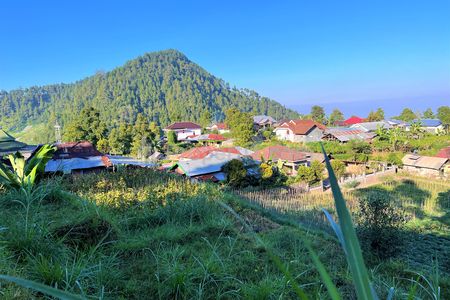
x=165, y=86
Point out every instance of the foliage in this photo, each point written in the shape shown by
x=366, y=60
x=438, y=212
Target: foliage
x=336, y=115
x=394, y=159
x=318, y=114
x=236, y=173
x=352, y=184
x=172, y=137
x=241, y=126
x=87, y=126
x=443, y=113
x=377, y=115
x=318, y=168
x=338, y=168
x=164, y=86
x=428, y=114
x=380, y=223
x=306, y=174
x=25, y=173
x=271, y=175
x=407, y=115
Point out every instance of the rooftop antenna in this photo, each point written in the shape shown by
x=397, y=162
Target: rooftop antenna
x=58, y=133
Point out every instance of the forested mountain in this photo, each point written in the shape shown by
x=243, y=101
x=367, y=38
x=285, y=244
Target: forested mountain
x=164, y=86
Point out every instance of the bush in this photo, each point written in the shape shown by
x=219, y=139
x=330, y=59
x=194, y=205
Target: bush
x=338, y=168
x=393, y=159
x=352, y=184
x=380, y=223
x=236, y=173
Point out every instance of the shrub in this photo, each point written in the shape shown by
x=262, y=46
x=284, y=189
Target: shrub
x=172, y=137
x=236, y=173
x=305, y=174
x=338, y=168
x=380, y=223
x=352, y=184
x=25, y=173
x=393, y=159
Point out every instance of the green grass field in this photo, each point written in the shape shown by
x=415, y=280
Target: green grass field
x=142, y=234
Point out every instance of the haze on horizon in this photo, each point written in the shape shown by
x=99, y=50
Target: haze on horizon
x=297, y=53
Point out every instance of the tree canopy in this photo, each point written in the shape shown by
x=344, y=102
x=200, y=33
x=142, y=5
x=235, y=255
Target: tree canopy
x=163, y=86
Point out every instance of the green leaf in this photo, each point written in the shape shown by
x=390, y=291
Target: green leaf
x=351, y=244
x=39, y=287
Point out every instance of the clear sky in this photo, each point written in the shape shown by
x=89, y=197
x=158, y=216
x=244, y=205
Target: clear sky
x=296, y=52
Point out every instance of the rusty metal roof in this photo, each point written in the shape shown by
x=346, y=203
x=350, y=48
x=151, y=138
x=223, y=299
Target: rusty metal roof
x=428, y=162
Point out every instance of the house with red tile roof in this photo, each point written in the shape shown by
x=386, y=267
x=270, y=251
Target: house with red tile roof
x=352, y=121
x=300, y=131
x=289, y=158
x=184, y=129
x=209, y=138
x=220, y=127
x=202, y=152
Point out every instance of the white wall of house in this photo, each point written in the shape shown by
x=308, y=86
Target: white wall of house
x=286, y=134
x=182, y=134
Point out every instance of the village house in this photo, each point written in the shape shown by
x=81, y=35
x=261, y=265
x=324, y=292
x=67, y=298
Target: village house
x=202, y=152
x=77, y=157
x=263, y=121
x=350, y=121
x=184, y=129
x=207, y=139
x=371, y=126
x=344, y=134
x=434, y=126
x=425, y=165
x=397, y=123
x=219, y=127
x=290, y=158
x=300, y=131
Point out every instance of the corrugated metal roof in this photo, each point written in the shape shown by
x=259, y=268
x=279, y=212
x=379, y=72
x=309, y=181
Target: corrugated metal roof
x=212, y=163
x=123, y=160
x=372, y=126
x=427, y=122
x=347, y=134
x=262, y=119
x=202, y=152
x=206, y=137
x=429, y=162
x=68, y=165
x=279, y=152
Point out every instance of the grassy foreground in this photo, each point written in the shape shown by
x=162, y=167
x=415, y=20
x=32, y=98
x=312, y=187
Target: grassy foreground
x=140, y=234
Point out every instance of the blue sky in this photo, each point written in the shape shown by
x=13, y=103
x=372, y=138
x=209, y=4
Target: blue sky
x=296, y=52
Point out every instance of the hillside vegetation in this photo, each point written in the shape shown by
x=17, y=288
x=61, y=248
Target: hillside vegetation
x=164, y=86
x=139, y=234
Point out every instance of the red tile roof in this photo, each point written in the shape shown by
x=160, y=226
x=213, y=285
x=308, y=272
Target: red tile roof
x=221, y=126
x=216, y=137
x=302, y=126
x=202, y=152
x=444, y=152
x=183, y=125
x=75, y=150
x=353, y=120
x=279, y=152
